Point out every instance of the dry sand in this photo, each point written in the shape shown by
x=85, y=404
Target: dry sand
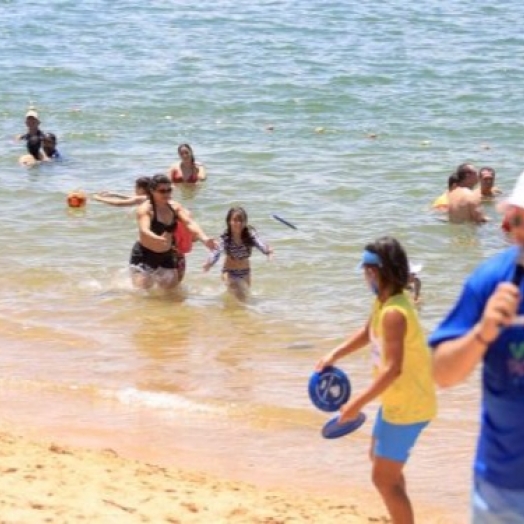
x=45, y=482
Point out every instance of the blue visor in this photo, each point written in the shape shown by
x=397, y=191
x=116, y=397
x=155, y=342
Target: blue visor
x=369, y=259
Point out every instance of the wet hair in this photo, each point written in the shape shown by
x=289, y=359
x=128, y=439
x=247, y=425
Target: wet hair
x=33, y=146
x=188, y=147
x=452, y=181
x=143, y=182
x=247, y=231
x=463, y=171
x=50, y=136
x=490, y=170
x=394, y=270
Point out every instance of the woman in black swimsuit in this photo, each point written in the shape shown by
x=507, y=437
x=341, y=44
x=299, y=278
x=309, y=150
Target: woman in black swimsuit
x=152, y=257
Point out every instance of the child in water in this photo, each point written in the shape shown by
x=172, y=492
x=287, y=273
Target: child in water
x=117, y=199
x=49, y=147
x=402, y=373
x=237, y=242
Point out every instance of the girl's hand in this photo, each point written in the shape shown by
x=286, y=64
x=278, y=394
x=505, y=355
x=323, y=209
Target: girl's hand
x=324, y=362
x=349, y=412
x=210, y=243
x=206, y=266
x=270, y=252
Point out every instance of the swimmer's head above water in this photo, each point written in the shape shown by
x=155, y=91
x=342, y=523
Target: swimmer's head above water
x=142, y=185
x=467, y=175
x=185, y=152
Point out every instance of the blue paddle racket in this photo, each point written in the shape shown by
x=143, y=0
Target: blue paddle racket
x=332, y=429
x=329, y=389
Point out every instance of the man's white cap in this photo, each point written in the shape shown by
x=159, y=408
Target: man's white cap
x=517, y=195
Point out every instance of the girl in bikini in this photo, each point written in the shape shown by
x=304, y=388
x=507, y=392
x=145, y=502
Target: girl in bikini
x=237, y=242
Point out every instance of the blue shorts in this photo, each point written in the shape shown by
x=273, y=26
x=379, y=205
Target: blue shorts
x=494, y=505
x=394, y=441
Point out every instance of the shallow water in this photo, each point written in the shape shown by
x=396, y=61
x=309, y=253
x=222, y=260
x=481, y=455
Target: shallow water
x=122, y=85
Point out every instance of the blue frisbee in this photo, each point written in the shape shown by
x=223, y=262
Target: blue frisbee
x=330, y=389
x=332, y=429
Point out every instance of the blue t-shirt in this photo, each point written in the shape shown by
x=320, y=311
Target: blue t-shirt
x=500, y=450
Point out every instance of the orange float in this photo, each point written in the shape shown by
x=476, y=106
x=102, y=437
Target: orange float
x=76, y=199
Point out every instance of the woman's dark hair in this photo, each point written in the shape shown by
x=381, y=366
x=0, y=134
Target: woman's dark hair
x=50, y=136
x=247, y=231
x=155, y=181
x=452, y=181
x=463, y=171
x=394, y=269
x=143, y=183
x=188, y=147
x=33, y=146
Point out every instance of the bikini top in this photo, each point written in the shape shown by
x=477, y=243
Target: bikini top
x=193, y=178
x=159, y=228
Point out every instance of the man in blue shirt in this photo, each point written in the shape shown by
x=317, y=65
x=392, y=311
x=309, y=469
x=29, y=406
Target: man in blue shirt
x=486, y=325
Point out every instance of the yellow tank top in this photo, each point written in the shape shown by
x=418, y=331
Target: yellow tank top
x=411, y=397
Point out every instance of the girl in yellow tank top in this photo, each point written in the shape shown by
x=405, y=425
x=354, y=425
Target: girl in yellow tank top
x=402, y=373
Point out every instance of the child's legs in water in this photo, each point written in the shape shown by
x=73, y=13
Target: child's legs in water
x=237, y=281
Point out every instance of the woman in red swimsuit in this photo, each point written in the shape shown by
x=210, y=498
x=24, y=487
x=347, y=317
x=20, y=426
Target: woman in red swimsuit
x=187, y=170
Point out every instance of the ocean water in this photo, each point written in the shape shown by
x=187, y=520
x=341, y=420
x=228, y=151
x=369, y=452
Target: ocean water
x=344, y=119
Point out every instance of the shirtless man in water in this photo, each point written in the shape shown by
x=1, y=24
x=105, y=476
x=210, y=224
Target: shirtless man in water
x=487, y=189
x=464, y=205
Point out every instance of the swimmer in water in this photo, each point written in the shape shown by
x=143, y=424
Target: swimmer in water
x=32, y=123
x=153, y=259
x=34, y=156
x=442, y=202
x=187, y=170
x=237, y=243
x=487, y=190
x=49, y=147
x=464, y=206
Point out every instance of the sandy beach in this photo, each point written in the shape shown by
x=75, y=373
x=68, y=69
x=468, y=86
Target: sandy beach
x=49, y=482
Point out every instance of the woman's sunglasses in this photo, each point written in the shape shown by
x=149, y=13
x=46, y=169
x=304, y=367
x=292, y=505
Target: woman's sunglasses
x=164, y=191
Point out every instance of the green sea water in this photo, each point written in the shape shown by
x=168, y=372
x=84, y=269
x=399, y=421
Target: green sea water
x=344, y=119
